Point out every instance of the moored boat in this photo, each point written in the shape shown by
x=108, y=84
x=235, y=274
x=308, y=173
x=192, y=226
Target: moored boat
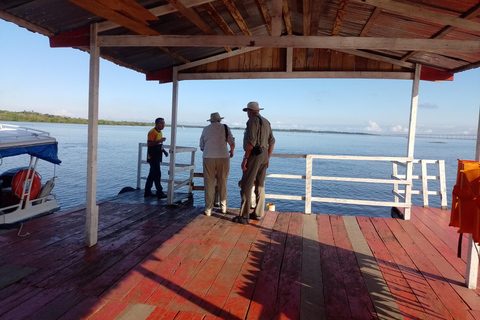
x=23, y=194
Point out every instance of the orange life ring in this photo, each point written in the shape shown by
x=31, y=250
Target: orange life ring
x=18, y=183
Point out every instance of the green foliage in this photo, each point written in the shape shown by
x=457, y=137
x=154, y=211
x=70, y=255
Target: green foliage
x=31, y=116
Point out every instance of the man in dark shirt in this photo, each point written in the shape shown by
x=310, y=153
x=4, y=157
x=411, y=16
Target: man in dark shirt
x=154, y=157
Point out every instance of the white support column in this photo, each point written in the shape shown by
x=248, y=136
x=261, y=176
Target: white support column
x=471, y=276
x=173, y=139
x=92, y=147
x=411, y=139
x=308, y=184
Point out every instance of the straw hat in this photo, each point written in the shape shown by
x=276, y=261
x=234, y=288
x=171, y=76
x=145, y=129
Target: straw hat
x=215, y=117
x=252, y=106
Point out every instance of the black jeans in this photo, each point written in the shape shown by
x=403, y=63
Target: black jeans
x=154, y=176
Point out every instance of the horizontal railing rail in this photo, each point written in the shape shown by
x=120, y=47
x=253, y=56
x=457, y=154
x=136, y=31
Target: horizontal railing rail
x=400, y=198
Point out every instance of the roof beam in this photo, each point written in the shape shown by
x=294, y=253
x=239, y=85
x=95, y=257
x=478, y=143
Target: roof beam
x=286, y=17
x=370, y=22
x=192, y=15
x=266, y=15
x=425, y=14
x=339, y=18
x=237, y=17
x=277, y=16
x=325, y=42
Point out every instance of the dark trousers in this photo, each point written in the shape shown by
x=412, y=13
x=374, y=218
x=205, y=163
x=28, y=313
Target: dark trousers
x=255, y=174
x=154, y=176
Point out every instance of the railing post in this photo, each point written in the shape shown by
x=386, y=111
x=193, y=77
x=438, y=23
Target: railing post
x=192, y=162
x=395, y=185
x=139, y=166
x=443, y=184
x=408, y=190
x=424, y=183
x=308, y=184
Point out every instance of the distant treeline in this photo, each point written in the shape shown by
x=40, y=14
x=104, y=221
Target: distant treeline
x=31, y=116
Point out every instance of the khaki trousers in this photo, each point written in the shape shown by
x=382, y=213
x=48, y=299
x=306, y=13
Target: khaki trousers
x=215, y=168
x=255, y=174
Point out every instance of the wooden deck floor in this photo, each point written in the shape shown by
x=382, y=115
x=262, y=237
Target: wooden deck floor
x=169, y=262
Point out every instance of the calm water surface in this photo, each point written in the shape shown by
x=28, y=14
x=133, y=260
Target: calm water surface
x=118, y=153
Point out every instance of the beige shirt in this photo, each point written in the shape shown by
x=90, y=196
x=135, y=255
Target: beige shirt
x=213, y=142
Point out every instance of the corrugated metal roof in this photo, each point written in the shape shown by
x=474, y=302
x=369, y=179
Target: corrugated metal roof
x=457, y=20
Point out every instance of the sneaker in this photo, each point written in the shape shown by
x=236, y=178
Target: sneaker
x=161, y=195
x=148, y=195
x=253, y=216
x=240, y=220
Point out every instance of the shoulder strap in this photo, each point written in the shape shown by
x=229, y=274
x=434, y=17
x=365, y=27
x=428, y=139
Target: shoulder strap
x=226, y=132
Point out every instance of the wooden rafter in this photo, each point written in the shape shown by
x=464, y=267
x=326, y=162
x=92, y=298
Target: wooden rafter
x=424, y=14
x=115, y=16
x=277, y=17
x=306, y=17
x=471, y=14
x=266, y=15
x=237, y=17
x=370, y=22
x=193, y=16
x=286, y=18
x=130, y=9
x=208, y=7
x=316, y=12
x=342, y=8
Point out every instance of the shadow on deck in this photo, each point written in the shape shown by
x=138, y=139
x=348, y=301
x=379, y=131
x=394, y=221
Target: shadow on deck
x=171, y=262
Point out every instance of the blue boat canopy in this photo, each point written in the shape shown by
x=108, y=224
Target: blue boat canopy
x=16, y=140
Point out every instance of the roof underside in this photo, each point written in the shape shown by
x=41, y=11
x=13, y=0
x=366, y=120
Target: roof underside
x=234, y=39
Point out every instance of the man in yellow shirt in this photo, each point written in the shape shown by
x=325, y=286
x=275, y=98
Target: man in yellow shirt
x=154, y=157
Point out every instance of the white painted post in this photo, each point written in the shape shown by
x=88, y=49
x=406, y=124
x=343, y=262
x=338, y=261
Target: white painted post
x=411, y=140
x=424, y=183
x=139, y=166
x=395, y=185
x=173, y=138
x=91, y=226
x=471, y=276
x=308, y=184
x=443, y=184
x=192, y=162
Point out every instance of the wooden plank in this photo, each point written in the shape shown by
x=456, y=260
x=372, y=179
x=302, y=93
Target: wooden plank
x=236, y=267
x=360, y=302
x=239, y=298
x=312, y=304
x=192, y=259
x=16, y=295
x=58, y=307
x=110, y=310
x=334, y=289
x=162, y=314
x=136, y=311
x=384, y=304
x=10, y=274
x=105, y=280
x=84, y=309
x=404, y=296
x=289, y=290
x=176, y=249
x=403, y=250
x=263, y=305
x=433, y=266
x=35, y=303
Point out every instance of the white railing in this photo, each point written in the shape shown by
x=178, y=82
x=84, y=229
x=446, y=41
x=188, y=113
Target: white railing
x=179, y=167
x=424, y=177
x=402, y=197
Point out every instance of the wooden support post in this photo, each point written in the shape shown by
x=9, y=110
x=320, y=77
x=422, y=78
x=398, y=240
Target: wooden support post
x=173, y=138
x=471, y=276
x=443, y=184
x=411, y=140
x=91, y=234
x=423, y=163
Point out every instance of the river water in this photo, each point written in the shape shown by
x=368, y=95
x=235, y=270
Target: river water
x=118, y=154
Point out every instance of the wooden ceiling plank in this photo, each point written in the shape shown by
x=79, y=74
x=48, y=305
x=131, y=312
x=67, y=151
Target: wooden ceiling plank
x=286, y=18
x=411, y=11
x=342, y=8
x=277, y=17
x=193, y=16
x=266, y=15
x=316, y=12
x=129, y=8
x=306, y=17
x=376, y=12
x=213, y=13
x=325, y=42
x=106, y=13
x=215, y=58
x=378, y=57
x=471, y=14
x=237, y=17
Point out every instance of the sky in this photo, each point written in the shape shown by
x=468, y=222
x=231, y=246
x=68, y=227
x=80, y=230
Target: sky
x=35, y=77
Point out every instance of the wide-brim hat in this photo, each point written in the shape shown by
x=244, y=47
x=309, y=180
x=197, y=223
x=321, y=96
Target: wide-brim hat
x=252, y=106
x=215, y=117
